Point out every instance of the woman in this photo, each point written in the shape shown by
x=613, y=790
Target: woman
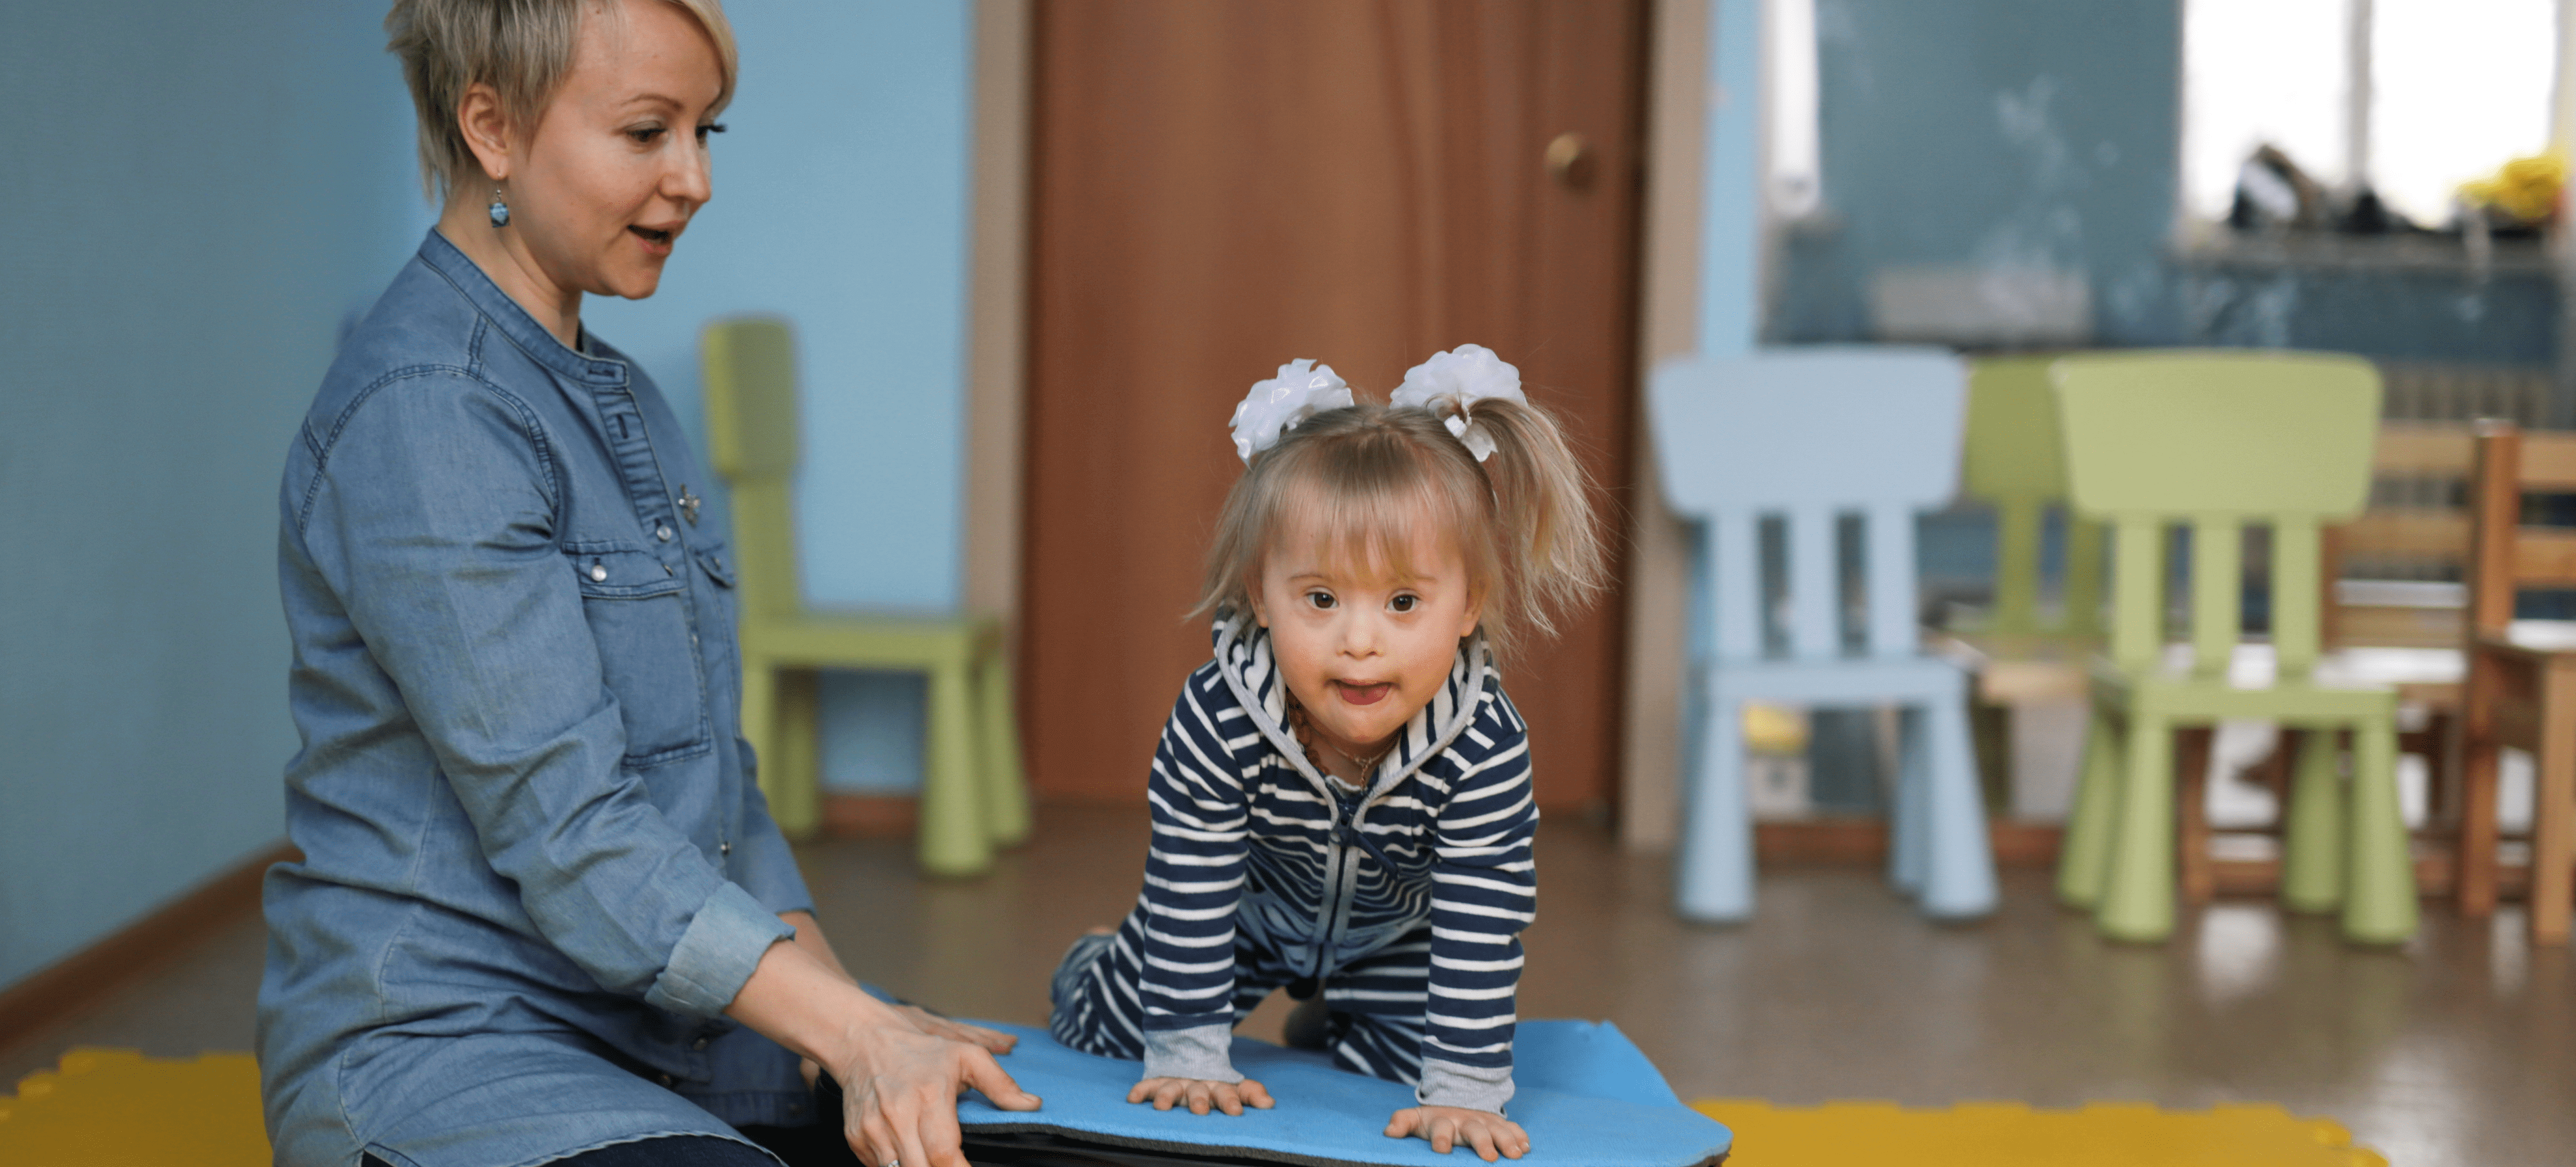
x=543, y=914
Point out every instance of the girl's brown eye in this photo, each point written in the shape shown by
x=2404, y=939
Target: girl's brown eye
x=1320, y=599
x=1406, y=603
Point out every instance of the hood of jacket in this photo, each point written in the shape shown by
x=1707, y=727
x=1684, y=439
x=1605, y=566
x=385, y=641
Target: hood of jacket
x=1245, y=656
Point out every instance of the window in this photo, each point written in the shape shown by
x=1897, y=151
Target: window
x=2409, y=97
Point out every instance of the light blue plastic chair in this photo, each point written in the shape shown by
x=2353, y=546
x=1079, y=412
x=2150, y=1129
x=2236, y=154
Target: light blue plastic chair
x=1810, y=435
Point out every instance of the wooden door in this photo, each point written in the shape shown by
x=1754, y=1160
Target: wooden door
x=1221, y=187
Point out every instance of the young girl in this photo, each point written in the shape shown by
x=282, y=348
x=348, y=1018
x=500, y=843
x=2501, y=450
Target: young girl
x=1341, y=800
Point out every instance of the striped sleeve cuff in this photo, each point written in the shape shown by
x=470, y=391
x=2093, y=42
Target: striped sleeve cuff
x=1465, y=1087
x=1203, y=1052
x=723, y=943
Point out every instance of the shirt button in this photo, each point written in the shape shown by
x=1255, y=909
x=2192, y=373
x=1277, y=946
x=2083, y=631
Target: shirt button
x=598, y=572
x=666, y=1079
x=699, y=1044
x=663, y=532
x=725, y=847
x=666, y=569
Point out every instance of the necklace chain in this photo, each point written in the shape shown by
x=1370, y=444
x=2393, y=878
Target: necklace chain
x=1303, y=727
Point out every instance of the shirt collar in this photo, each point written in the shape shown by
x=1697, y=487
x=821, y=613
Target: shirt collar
x=513, y=320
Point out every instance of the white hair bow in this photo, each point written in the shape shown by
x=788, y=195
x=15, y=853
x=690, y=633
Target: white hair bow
x=1466, y=374
x=1277, y=405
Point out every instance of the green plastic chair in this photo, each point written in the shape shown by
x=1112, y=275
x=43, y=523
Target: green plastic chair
x=973, y=797
x=2222, y=440
x=2013, y=462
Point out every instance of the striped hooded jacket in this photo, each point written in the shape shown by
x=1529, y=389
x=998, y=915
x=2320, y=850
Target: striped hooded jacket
x=1249, y=835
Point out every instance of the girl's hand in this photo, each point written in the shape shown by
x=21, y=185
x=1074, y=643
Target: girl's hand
x=899, y=1091
x=1230, y=1097
x=1448, y=1126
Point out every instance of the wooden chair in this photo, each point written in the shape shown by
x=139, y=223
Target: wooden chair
x=972, y=795
x=1809, y=435
x=2220, y=441
x=2522, y=676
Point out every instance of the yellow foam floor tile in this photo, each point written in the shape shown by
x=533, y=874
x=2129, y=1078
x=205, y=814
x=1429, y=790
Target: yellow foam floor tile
x=2001, y=1134
x=117, y=1108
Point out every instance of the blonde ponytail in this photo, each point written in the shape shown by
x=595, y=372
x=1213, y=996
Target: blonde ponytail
x=1552, y=559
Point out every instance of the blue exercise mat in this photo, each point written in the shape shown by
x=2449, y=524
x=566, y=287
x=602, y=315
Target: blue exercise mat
x=1585, y=1096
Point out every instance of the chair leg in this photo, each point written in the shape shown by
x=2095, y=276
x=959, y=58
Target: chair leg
x=2553, y=817
x=760, y=728
x=953, y=836
x=2084, y=862
x=800, y=743
x=1909, y=833
x=1715, y=874
x=1959, y=854
x=2480, y=752
x=2379, y=901
x=2312, y=842
x=1006, y=788
x=2138, y=898
x=2441, y=772
x=2191, y=813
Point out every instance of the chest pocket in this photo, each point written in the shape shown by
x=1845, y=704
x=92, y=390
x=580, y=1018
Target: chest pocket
x=640, y=620
x=721, y=617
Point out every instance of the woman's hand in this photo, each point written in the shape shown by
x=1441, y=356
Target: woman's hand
x=938, y=1026
x=1199, y=1094
x=899, y=1089
x=935, y=1025
x=899, y=1085
x=1449, y=1126
x=809, y=936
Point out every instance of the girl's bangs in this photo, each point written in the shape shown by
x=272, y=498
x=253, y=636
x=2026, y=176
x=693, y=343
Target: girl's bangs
x=1374, y=533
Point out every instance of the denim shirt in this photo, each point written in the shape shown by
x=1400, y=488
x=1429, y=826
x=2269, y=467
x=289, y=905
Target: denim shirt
x=536, y=864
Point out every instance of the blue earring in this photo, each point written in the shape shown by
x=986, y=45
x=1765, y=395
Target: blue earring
x=500, y=211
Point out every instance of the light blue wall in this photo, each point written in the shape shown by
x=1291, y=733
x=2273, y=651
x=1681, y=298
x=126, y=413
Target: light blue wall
x=842, y=202
x=196, y=195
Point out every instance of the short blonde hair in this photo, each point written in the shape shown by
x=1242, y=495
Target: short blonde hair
x=1365, y=475
x=521, y=48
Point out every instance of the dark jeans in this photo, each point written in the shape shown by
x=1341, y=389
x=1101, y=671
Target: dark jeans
x=805, y=1146
x=819, y=1145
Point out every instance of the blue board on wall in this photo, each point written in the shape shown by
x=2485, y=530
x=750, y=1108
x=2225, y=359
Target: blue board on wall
x=1585, y=1095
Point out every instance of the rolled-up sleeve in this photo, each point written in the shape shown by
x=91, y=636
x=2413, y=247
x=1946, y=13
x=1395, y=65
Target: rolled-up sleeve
x=433, y=520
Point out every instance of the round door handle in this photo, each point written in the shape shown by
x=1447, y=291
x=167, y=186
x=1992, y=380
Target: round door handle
x=1570, y=161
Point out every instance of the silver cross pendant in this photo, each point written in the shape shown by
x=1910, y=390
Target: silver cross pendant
x=689, y=504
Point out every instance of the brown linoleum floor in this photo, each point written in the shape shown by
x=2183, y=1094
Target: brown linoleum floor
x=2458, y=1050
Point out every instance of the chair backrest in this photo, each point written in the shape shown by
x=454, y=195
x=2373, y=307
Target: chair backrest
x=2505, y=556
x=2015, y=462
x=1809, y=435
x=2012, y=446
x=2218, y=440
x=750, y=379
x=2390, y=574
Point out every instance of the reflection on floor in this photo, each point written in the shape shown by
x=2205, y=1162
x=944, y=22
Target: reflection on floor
x=2461, y=1049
